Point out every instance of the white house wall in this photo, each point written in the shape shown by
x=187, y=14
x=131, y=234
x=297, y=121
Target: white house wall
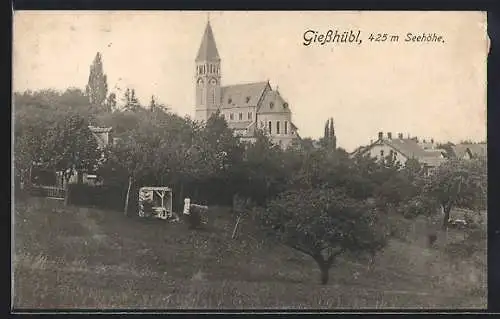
x=375, y=150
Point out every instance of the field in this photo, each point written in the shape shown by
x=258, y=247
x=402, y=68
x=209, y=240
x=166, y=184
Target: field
x=74, y=257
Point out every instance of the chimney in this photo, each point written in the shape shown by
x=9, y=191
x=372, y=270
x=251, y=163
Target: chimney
x=400, y=136
x=380, y=135
x=432, y=141
x=389, y=135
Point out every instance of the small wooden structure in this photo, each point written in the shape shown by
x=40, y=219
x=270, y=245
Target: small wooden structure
x=196, y=214
x=156, y=202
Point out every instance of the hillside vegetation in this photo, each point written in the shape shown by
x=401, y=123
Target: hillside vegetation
x=74, y=257
x=321, y=228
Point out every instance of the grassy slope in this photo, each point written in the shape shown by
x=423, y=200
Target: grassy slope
x=69, y=257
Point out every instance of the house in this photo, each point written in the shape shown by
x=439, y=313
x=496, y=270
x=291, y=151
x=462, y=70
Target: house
x=402, y=149
x=103, y=135
x=246, y=107
x=469, y=151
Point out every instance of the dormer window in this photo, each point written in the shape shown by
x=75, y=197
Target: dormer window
x=285, y=105
x=229, y=101
x=271, y=104
x=247, y=99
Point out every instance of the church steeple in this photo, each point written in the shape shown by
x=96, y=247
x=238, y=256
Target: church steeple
x=207, y=76
x=208, y=48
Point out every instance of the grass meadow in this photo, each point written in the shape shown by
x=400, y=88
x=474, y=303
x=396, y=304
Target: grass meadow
x=76, y=257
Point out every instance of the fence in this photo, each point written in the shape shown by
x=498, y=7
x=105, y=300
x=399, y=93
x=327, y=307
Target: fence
x=48, y=191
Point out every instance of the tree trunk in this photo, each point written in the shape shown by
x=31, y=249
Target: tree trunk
x=325, y=273
x=324, y=267
x=125, y=210
x=446, y=217
x=66, y=192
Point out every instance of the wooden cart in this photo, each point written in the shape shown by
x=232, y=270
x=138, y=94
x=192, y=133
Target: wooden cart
x=155, y=202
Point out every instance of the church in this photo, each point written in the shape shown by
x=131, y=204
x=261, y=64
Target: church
x=246, y=107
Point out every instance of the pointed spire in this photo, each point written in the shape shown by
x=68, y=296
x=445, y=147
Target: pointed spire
x=208, y=48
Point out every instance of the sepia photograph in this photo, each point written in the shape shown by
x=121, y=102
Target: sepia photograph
x=250, y=160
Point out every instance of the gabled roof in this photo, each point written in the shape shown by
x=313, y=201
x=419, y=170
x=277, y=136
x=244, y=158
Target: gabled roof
x=409, y=148
x=208, y=48
x=273, y=102
x=248, y=94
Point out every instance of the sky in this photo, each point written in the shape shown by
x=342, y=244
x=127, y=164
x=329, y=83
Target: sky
x=431, y=90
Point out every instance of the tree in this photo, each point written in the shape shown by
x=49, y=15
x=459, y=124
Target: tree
x=324, y=223
x=131, y=101
x=152, y=103
x=70, y=147
x=329, y=139
x=97, y=86
x=111, y=102
x=458, y=183
x=262, y=171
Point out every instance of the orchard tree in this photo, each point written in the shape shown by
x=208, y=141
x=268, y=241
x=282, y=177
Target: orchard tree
x=97, y=86
x=325, y=223
x=70, y=146
x=461, y=183
x=262, y=171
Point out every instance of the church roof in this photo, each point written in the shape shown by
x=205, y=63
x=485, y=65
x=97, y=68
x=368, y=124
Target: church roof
x=208, y=48
x=274, y=103
x=247, y=94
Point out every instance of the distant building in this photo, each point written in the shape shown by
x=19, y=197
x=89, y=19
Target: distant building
x=246, y=107
x=102, y=135
x=469, y=151
x=403, y=149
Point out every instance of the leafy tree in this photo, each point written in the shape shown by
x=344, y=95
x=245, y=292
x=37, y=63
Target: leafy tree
x=262, y=172
x=131, y=101
x=111, y=102
x=70, y=147
x=324, y=223
x=97, y=86
x=458, y=183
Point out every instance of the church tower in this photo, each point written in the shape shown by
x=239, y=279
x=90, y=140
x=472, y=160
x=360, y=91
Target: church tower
x=207, y=77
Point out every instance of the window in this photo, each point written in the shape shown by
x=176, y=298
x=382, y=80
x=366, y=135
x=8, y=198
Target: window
x=213, y=95
x=240, y=116
x=270, y=126
x=277, y=127
x=231, y=116
x=249, y=115
x=247, y=99
x=381, y=153
x=286, y=127
x=285, y=105
x=229, y=101
x=271, y=104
